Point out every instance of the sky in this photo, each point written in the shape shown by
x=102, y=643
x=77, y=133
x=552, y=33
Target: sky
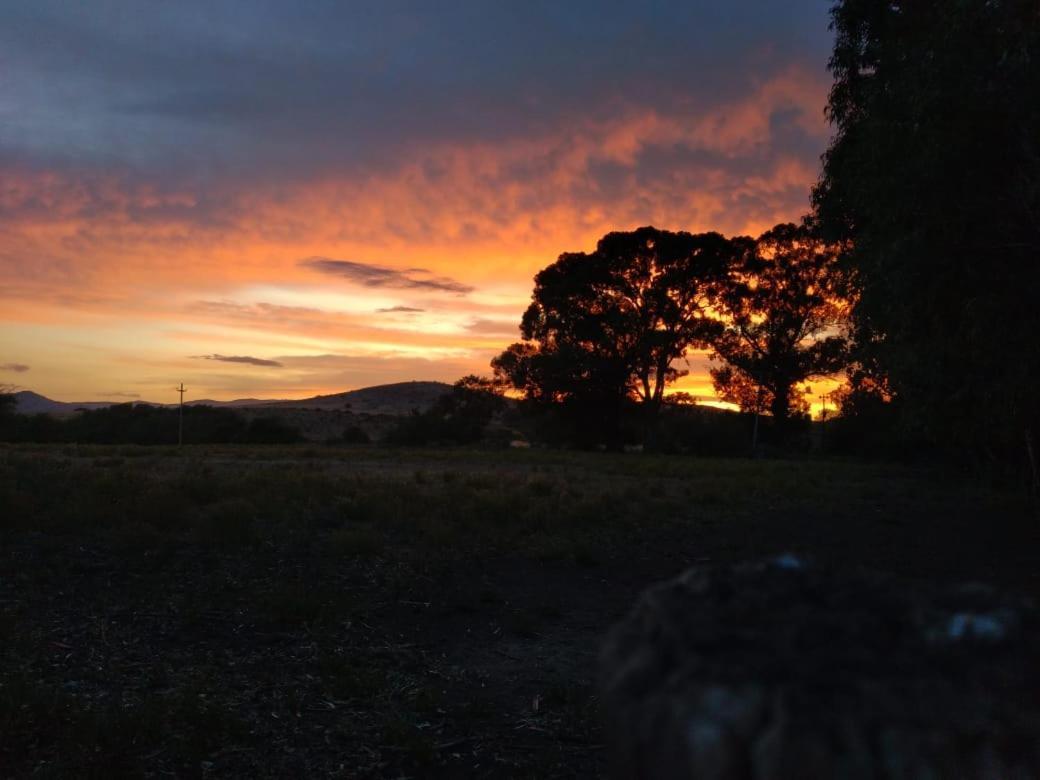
x=275, y=199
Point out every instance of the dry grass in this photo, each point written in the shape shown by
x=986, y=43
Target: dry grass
x=374, y=612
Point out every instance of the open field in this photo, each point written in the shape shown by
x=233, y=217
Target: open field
x=307, y=611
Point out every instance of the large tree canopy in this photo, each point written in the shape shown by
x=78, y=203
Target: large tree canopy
x=610, y=325
x=934, y=177
x=783, y=310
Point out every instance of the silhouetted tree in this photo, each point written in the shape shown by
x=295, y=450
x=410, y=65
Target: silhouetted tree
x=473, y=398
x=934, y=178
x=491, y=388
x=782, y=310
x=607, y=327
x=8, y=401
x=680, y=398
x=145, y=424
x=736, y=387
x=518, y=366
x=686, y=426
x=457, y=417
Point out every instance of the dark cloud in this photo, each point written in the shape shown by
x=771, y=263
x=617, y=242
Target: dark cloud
x=400, y=309
x=247, y=359
x=18, y=368
x=265, y=85
x=118, y=394
x=186, y=124
x=369, y=275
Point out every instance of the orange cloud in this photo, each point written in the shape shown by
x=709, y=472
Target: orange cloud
x=119, y=264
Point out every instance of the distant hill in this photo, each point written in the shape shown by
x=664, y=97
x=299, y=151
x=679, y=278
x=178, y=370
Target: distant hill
x=28, y=402
x=394, y=399
x=236, y=402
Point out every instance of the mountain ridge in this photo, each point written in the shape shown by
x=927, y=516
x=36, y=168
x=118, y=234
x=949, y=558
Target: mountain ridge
x=392, y=398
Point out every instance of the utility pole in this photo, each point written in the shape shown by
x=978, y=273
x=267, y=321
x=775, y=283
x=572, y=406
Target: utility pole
x=754, y=431
x=180, y=415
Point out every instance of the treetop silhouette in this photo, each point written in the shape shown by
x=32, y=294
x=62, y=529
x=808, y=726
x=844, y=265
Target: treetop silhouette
x=933, y=175
x=783, y=311
x=608, y=326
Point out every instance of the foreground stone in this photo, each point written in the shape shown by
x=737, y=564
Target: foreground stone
x=786, y=670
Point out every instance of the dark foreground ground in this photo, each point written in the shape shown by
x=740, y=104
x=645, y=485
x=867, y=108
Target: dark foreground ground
x=377, y=613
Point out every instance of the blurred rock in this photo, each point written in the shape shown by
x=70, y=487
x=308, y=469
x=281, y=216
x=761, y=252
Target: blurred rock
x=784, y=669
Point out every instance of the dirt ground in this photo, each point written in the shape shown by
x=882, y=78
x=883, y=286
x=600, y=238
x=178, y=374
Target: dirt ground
x=367, y=612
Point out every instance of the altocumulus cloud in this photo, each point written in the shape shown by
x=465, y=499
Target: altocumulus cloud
x=247, y=359
x=493, y=327
x=18, y=368
x=369, y=275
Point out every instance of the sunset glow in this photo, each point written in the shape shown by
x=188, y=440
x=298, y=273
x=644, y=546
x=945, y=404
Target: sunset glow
x=278, y=203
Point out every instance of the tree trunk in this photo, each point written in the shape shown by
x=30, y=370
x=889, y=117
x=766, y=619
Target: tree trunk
x=781, y=409
x=758, y=415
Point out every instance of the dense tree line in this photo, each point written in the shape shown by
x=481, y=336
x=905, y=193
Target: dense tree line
x=607, y=331
x=460, y=416
x=933, y=183
x=143, y=424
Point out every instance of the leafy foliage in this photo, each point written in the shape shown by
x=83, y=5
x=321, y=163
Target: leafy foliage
x=686, y=428
x=783, y=311
x=606, y=328
x=934, y=178
x=738, y=388
x=458, y=417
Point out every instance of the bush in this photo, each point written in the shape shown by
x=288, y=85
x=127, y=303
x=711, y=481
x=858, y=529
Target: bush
x=458, y=417
x=354, y=434
x=270, y=430
x=704, y=430
x=145, y=424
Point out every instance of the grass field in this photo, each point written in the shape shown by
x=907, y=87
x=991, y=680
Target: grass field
x=374, y=612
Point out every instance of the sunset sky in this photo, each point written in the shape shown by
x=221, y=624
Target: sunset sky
x=282, y=199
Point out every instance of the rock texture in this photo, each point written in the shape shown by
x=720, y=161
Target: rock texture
x=785, y=670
